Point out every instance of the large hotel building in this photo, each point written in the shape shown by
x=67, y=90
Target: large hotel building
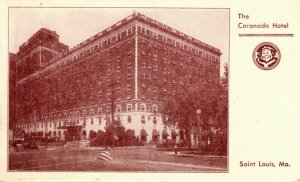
x=131, y=66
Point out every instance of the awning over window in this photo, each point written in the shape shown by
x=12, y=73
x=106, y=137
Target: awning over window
x=143, y=132
x=70, y=127
x=174, y=133
x=155, y=132
x=165, y=133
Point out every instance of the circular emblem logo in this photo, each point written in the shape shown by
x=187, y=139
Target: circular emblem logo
x=266, y=56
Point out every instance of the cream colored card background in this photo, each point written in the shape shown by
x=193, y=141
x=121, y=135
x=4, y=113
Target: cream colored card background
x=264, y=106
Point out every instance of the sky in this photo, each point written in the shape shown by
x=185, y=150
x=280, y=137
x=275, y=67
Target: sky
x=74, y=25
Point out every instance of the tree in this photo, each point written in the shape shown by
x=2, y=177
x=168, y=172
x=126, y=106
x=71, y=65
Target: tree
x=208, y=94
x=130, y=137
x=92, y=134
x=222, y=114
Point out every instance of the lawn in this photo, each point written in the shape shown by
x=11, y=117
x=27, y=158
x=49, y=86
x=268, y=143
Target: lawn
x=124, y=159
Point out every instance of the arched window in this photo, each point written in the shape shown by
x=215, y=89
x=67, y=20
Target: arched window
x=143, y=135
x=165, y=134
x=154, y=108
x=92, y=112
x=129, y=107
x=155, y=135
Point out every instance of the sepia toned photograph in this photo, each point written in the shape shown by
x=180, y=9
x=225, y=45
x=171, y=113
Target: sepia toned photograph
x=118, y=89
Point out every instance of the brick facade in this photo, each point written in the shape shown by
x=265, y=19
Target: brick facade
x=132, y=64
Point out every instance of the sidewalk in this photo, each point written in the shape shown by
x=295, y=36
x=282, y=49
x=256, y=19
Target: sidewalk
x=179, y=154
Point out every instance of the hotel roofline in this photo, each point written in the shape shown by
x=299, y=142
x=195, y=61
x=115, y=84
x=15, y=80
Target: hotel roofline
x=148, y=20
x=129, y=19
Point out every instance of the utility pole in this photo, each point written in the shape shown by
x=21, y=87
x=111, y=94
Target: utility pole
x=112, y=86
x=199, y=128
x=113, y=109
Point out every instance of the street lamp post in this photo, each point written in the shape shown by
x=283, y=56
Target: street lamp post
x=199, y=128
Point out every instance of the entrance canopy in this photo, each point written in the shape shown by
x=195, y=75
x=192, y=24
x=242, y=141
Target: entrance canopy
x=70, y=127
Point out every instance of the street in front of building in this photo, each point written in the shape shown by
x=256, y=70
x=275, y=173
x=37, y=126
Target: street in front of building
x=142, y=158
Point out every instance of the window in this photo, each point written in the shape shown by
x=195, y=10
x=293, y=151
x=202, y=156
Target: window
x=164, y=39
x=92, y=121
x=100, y=120
x=143, y=64
x=128, y=76
x=92, y=112
x=129, y=119
x=155, y=67
x=129, y=65
x=118, y=90
x=143, y=121
x=99, y=111
x=118, y=109
x=84, y=113
x=154, y=77
x=154, y=108
x=173, y=92
x=118, y=78
x=129, y=31
x=108, y=109
x=129, y=107
x=154, y=120
x=128, y=87
x=143, y=107
x=164, y=60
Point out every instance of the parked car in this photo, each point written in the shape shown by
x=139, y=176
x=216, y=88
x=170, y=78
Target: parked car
x=182, y=143
x=30, y=144
x=168, y=143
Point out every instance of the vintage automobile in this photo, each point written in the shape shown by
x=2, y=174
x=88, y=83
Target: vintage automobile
x=30, y=144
